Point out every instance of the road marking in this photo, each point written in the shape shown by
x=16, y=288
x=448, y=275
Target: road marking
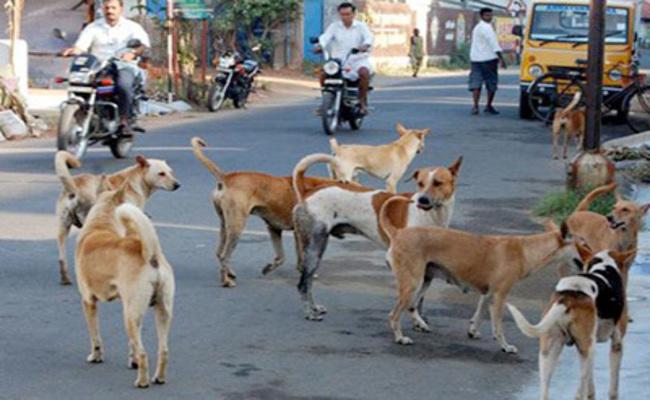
x=436, y=87
x=46, y=150
x=451, y=101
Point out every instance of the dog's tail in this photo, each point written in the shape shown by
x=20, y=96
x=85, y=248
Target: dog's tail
x=589, y=198
x=136, y=223
x=302, y=167
x=572, y=105
x=334, y=145
x=385, y=222
x=197, y=148
x=550, y=319
x=62, y=162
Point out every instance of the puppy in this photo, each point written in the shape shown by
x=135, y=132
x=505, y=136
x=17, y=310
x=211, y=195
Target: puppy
x=337, y=209
x=490, y=264
x=618, y=231
x=571, y=120
x=80, y=193
x=388, y=161
x=584, y=309
x=118, y=255
x=240, y=194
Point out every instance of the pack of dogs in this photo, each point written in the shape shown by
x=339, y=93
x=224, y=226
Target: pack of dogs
x=118, y=254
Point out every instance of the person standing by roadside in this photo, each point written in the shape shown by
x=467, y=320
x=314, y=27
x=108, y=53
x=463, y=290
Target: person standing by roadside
x=485, y=55
x=416, y=52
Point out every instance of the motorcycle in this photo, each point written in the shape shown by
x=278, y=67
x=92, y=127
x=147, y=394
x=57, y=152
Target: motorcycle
x=340, y=94
x=234, y=80
x=90, y=114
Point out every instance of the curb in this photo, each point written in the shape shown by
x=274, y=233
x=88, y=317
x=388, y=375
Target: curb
x=629, y=141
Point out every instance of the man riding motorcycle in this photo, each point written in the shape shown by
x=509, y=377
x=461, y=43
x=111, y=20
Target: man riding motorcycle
x=104, y=38
x=343, y=36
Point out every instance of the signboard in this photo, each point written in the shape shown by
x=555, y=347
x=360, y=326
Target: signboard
x=503, y=27
x=187, y=9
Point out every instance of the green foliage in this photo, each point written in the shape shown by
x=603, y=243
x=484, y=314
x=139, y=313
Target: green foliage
x=459, y=58
x=559, y=205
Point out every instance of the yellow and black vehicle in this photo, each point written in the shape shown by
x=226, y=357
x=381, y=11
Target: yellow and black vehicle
x=554, y=56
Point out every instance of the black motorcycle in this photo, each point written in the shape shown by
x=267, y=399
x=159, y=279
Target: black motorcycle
x=234, y=80
x=90, y=114
x=340, y=95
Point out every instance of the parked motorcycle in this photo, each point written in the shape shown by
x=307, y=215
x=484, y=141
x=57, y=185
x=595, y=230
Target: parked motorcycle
x=234, y=80
x=340, y=94
x=90, y=114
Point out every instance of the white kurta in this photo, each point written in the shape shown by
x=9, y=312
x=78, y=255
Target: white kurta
x=340, y=40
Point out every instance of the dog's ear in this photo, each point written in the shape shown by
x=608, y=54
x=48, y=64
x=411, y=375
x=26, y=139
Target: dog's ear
x=401, y=130
x=414, y=176
x=623, y=259
x=426, y=132
x=422, y=133
x=455, y=167
x=584, y=250
x=104, y=184
x=550, y=226
x=141, y=161
x=120, y=195
x=645, y=208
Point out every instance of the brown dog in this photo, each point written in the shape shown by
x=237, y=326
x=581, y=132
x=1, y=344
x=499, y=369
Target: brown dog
x=119, y=256
x=341, y=208
x=491, y=264
x=584, y=309
x=80, y=192
x=388, y=161
x=571, y=120
x=240, y=194
x=618, y=231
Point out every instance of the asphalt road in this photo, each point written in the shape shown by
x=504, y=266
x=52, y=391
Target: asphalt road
x=252, y=342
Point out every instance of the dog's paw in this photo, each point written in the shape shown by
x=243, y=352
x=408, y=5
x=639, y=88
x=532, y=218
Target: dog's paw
x=228, y=283
x=510, y=349
x=473, y=334
x=131, y=363
x=158, y=380
x=312, y=316
x=318, y=309
x=65, y=281
x=404, y=341
x=141, y=383
x=95, y=358
x=421, y=328
x=270, y=267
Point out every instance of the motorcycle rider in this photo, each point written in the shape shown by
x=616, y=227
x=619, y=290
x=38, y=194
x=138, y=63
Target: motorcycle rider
x=103, y=38
x=344, y=35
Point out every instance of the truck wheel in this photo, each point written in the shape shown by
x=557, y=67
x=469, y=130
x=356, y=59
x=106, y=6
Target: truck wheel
x=525, y=111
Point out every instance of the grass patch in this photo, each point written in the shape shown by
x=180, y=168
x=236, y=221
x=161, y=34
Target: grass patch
x=559, y=205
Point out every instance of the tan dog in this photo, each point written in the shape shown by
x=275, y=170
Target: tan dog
x=571, y=120
x=240, y=194
x=618, y=231
x=388, y=161
x=584, y=309
x=119, y=256
x=341, y=208
x=490, y=264
x=80, y=192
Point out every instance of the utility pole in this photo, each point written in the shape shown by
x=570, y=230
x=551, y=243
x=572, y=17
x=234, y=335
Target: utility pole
x=590, y=167
x=170, y=51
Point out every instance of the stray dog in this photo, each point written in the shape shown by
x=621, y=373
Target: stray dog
x=119, y=256
x=571, y=120
x=618, y=231
x=240, y=194
x=80, y=193
x=388, y=161
x=584, y=309
x=491, y=264
x=341, y=208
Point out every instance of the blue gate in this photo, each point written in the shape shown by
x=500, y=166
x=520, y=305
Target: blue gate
x=313, y=26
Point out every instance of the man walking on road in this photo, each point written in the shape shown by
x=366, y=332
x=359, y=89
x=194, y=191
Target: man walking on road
x=416, y=52
x=485, y=55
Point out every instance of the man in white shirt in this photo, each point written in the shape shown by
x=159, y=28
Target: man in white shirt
x=485, y=55
x=104, y=38
x=343, y=36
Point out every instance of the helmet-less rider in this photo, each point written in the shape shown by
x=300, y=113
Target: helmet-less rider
x=344, y=35
x=104, y=38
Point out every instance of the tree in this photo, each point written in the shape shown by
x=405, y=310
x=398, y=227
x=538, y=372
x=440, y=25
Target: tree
x=14, y=9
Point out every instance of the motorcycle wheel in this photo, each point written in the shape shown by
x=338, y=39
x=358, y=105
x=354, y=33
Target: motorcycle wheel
x=120, y=148
x=70, y=131
x=216, y=96
x=330, y=121
x=356, y=120
x=241, y=100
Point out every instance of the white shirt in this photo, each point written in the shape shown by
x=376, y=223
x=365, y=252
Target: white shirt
x=340, y=40
x=485, y=44
x=104, y=41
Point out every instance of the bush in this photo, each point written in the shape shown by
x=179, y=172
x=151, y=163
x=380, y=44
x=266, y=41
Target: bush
x=459, y=58
x=559, y=205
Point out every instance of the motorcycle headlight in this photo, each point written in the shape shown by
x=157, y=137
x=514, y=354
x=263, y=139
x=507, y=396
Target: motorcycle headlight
x=79, y=77
x=535, y=70
x=331, y=67
x=615, y=75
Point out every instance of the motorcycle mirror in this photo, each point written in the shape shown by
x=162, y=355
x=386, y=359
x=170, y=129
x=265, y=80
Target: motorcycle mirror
x=313, y=40
x=59, y=34
x=355, y=51
x=133, y=43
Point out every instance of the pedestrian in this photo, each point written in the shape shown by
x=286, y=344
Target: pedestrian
x=416, y=52
x=485, y=55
